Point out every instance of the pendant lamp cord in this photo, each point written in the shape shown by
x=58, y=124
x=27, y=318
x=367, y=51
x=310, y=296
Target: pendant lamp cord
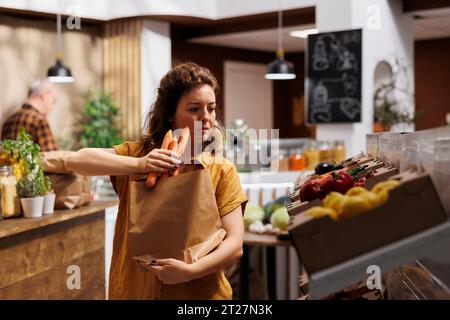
x=280, y=51
x=58, y=37
x=280, y=23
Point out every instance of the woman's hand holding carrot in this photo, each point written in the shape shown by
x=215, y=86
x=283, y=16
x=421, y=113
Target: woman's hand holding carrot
x=153, y=176
x=159, y=161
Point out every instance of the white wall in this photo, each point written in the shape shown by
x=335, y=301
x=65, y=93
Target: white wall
x=393, y=37
x=247, y=94
x=156, y=60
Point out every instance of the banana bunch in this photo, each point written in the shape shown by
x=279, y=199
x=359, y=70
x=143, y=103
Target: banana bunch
x=356, y=201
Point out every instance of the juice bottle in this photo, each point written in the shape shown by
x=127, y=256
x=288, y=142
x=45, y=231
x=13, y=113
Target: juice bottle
x=339, y=151
x=311, y=154
x=297, y=160
x=325, y=152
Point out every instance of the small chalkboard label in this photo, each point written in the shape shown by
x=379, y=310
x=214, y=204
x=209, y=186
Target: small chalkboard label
x=333, y=82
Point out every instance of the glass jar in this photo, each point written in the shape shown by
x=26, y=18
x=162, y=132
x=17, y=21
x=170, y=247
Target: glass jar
x=311, y=154
x=297, y=160
x=9, y=201
x=325, y=152
x=339, y=151
x=280, y=163
x=283, y=160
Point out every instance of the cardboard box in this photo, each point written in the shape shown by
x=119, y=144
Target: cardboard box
x=382, y=173
x=412, y=207
x=298, y=207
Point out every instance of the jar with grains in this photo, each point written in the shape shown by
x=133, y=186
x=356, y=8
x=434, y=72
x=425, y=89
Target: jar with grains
x=9, y=201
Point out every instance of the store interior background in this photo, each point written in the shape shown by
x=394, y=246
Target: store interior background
x=240, y=34
x=126, y=49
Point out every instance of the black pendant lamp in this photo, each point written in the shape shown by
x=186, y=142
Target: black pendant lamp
x=280, y=69
x=59, y=73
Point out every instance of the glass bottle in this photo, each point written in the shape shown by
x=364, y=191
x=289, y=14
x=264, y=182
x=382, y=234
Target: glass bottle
x=280, y=161
x=297, y=160
x=325, y=152
x=9, y=201
x=311, y=154
x=283, y=161
x=339, y=151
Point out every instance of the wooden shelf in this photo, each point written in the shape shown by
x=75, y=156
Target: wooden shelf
x=13, y=226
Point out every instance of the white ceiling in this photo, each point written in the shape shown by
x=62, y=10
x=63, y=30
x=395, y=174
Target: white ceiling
x=432, y=25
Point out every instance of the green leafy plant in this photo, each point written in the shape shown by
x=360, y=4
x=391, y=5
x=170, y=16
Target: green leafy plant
x=30, y=187
x=99, y=126
x=391, y=99
x=25, y=157
x=47, y=185
x=23, y=154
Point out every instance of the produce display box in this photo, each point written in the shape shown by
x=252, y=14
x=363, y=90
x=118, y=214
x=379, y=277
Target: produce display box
x=412, y=207
x=382, y=174
x=368, y=162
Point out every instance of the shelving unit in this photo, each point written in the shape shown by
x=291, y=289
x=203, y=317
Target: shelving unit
x=430, y=243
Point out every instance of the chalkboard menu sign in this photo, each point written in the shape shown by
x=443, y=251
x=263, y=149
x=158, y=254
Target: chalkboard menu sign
x=333, y=82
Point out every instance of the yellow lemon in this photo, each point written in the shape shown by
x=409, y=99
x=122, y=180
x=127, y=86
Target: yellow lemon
x=372, y=198
x=330, y=198
x=354, y=206
x=385, y=186
x=318, y=212
x=356, y=191
x=382, y=197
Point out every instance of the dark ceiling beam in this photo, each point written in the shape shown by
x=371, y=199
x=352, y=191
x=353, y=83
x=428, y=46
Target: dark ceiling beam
x=255, y=22
x=417, y=5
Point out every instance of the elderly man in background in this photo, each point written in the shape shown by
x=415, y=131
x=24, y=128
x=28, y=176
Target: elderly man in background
x=32, y=116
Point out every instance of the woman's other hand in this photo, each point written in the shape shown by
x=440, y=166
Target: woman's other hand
x=159, y=161
x=172, y=271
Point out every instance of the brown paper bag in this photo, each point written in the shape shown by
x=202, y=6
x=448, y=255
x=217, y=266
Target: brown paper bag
x=53, y=161
x=178, y=218
x=71, y=190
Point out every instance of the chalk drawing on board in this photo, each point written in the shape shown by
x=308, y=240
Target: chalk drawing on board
x=339, y=55
x=322, y=102
x=321, y=109
x=320, y=56
x=350, y=107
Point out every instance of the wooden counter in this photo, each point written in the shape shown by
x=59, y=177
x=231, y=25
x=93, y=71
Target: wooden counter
x=35, y=254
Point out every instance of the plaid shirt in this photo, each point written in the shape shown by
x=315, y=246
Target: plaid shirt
x=35, y=124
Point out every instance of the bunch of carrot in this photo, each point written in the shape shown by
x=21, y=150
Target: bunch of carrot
x=173, y=144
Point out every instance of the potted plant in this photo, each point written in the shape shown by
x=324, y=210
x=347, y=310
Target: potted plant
x=30, y=192
x=392, y=100
x=99, y=128
x=49, y=196
x=32, y=184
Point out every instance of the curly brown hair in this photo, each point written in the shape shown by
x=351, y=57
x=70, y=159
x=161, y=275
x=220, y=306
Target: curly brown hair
x=176, y=83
